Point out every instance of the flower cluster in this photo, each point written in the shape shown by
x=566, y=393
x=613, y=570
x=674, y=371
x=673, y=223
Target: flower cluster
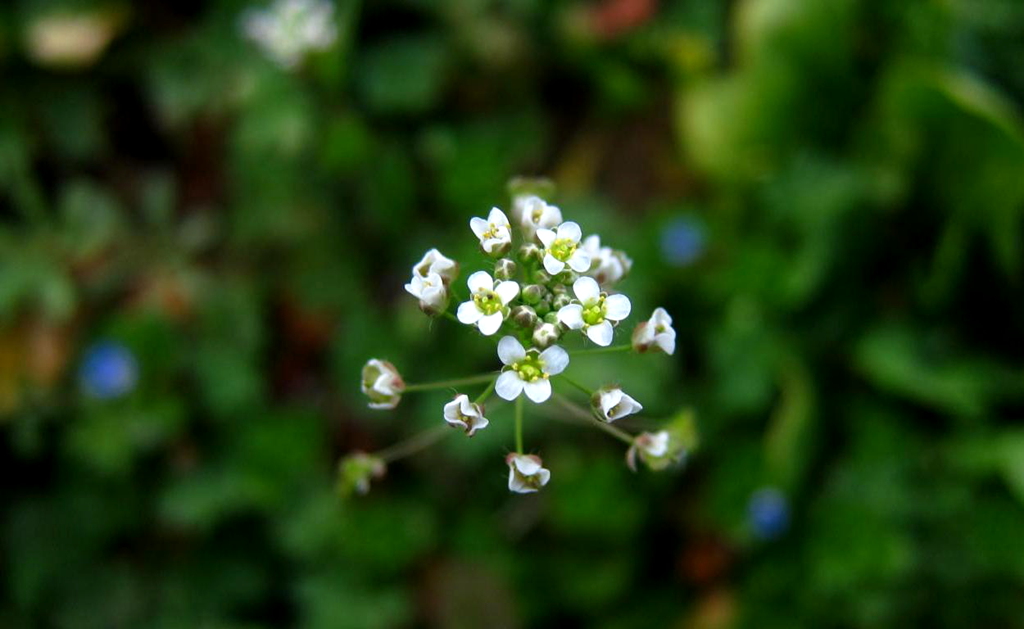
x=550, y=288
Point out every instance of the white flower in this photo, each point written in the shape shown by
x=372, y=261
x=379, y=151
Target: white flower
x=611, y=403
x=526, y=473
x=595, y=312
x=655, y=334
x=532, y=213
x=431, y=291
x=562, y=247
x=382, y=384
x=290, y=28
x=657, y=450
x=461, y=413
x=435, y=262
x=488, y=304
x=494, y=233
x=607, y=265
x=529, y=370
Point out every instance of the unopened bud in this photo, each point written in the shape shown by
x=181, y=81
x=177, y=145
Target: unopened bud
x=530, y=251
x=561, y=300
x=524, y=316
x=543, y=306
x=546, y=335
x=533, y=293
x=504, y=269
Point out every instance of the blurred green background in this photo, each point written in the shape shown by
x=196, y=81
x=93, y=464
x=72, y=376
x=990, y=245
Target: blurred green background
x=200, y=248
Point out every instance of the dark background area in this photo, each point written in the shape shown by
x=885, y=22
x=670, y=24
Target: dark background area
x=200, y=248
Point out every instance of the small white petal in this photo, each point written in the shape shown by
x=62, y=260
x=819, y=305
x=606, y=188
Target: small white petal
x=617, y=307
x=546, y=236
x=543, y=476
x=661, y=317
x=592, y=244
x=601, y=333
x=510, y=350
x=497, y=217
x=468, y=313
x=555, y=360
x=479, y=226
x=570, y=231
x=526, y=465
x=579, y=261
x=489, y=324
x=506, y=291
x=587, y=290
x=413, y=289
x=508, y=386
x=538, y=390
x=571, y=316
x=553, y=265
x=666, y=341
x=479, y=281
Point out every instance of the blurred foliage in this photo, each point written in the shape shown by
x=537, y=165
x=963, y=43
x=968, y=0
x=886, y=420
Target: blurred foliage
x=827, y=196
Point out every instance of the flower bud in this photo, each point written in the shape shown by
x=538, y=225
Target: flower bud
x=382, y=384
x=545, y=335
x=561, y=300
x=524, y=316
x=526, y=473
x=542, y=278
x=355, y=472
x=656, y=450
x=611, y=403
x=529, y=252
x=543, y=307
x=504, y=269
x=655, y=334
x=533, y=293
x=552, y=318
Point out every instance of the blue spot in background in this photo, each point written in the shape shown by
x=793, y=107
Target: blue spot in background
x=108, y=370
x=768, y=512
x=683, y=241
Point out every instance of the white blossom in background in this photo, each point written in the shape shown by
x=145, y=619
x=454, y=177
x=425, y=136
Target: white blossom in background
x=532, y=213
x=434, y=261
x=612, y=403
x=494, y=232
x=655, y=334
x=289, y=29
x=382, y=384
x=488, y=303
x=526, y=473
x=562, y=248
x=356, y=470
x=461, y=413
x=657, y=450
x=528, y=371
x=595, y=311
x=607, y=265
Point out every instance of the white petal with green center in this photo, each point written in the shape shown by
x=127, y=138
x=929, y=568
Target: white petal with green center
x=479, y=226
x=538, y=390
x=507, y=291
x=579, y=261
x=553, y=265
x=617, y=307
x=468, y=313
x=555, y=360
x=571, y=316
x=510, y=350
x=480, y=281
x=601, y=334
x=489, y=324
x=569, y=231
x=509, y=386
x=546, y=237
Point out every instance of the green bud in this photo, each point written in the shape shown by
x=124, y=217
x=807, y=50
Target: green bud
x=551, y=317
x=533, y=293
x=543, y=306
x=504, y=269
x=541, y=277
x=355, y=472
x=529, y=252
x=546, y=335
x=560, y=301
x=524, y=316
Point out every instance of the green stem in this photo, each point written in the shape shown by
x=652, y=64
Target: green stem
x=444, y=384
x=413, y=444
x=582, y=413
x=448, y=315
x=519, y=424
x=602, y=350
x=487, y=392
x=579, y=386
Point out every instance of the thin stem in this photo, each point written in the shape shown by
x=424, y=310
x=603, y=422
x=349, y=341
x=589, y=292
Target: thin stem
x=579, y=386
x=448, y=315
x=487, y=392
x=444, y=384
x=519, y=424
x=602, y=350
x=582, y=413
x=413, y=444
